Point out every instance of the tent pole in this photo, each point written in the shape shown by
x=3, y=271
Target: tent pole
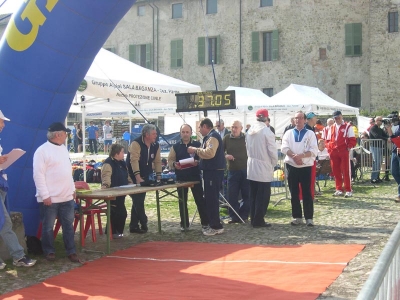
x=83, y=128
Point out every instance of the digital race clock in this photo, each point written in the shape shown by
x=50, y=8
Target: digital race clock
x=203, y=101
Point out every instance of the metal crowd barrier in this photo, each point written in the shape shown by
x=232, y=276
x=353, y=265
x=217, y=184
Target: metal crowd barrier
x=383, y=282
x=363, y=156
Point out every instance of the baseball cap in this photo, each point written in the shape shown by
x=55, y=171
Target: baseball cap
x=310, y=115
x=3, y=117
x=57, y=126
x=336, y=113
x=262, y=113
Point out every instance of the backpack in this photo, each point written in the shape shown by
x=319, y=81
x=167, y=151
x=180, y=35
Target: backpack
x=97, y=176
x=34, y=245
x=78, y=175
x=90, y=175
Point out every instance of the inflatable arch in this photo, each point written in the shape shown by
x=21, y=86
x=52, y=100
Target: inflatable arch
x=45, y=52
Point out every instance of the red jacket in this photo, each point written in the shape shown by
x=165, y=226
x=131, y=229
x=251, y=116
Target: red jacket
x=345, y=138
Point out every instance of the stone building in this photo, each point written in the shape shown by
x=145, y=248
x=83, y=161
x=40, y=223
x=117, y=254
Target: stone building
x=347, y=48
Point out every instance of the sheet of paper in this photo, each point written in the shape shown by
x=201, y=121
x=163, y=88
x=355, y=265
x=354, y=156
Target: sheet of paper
x=12, y=157
x=187, y=161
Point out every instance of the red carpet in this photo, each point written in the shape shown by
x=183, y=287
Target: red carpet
x=166, y=270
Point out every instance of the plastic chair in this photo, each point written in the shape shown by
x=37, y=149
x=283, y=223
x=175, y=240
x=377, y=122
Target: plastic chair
x=90, y=213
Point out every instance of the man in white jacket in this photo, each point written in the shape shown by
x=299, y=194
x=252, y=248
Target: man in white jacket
x=300, y=146
x=55, y=191
x=262, y=157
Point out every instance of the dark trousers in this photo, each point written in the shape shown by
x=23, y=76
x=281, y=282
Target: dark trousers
x=138, y=213
x=76, y=143
x=260, y=194
x=197, y=191
x=212, y=185
x=295, y=177
x=237, y=182
x=118, y=215
x=93, y=144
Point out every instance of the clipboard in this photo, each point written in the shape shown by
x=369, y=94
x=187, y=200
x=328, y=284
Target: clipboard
x=12, y=156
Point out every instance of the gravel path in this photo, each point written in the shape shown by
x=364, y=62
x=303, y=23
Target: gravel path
x=368, y=218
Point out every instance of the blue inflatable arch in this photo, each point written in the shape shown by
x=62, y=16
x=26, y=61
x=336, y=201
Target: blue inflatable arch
x=45, y=52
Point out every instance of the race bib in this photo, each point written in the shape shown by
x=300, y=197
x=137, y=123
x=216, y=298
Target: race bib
x=109, y=136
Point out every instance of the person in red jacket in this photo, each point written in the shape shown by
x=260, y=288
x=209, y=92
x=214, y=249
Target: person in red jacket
x=340, y=139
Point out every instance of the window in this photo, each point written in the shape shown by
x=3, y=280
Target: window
x=322, y=53
x=177, y=11
x=141, y=55
x=141, y=10
x=209, y=52
x=353, y=39
x=268, y=91
x=269, y=46
x=393, y=19
x=354, y=95
x=176, y=53
x=266, y=3
x=211, y=7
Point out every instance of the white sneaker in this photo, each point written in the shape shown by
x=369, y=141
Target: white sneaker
x=348, y=194
x=209, y=231
x=2, y=265
x=337, y=193
x=297, y=221
x=309, y=222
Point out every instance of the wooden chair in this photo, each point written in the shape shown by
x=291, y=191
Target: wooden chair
x=90, y=213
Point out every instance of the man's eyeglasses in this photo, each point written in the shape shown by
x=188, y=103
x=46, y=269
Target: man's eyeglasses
x=217, y=125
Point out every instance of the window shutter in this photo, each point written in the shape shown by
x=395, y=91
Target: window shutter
x=218, y=54
x=255, y=46
x=357, y=39
x=349, y=39
x=173, y=54
x=275, y=45
x=201, y=43
x=179, y=53
x=396, y=22
x=149, y=60
x=132, y=53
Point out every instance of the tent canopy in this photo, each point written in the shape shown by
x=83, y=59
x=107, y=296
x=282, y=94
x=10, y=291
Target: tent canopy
x=112, y=78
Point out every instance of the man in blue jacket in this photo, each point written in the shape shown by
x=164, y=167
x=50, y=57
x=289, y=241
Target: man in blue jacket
x=212, y=162
x=92, y=136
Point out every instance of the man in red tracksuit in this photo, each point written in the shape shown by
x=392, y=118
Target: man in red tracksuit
x=340, y=139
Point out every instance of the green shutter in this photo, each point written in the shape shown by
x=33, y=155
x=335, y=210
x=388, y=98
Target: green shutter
x=201, y=43
x=357, y=39
x=349, y=39
x=255, y=46
x=218, y=54
x=275, y=45
x=148, y=57
x=132, y=53
x=179, y=53
x=173, y=54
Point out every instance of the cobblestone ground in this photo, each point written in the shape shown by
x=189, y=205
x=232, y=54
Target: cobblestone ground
x=368, y=218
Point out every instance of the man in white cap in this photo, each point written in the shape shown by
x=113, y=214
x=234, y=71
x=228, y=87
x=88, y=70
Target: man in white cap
x=6, y=232
x=262, y=158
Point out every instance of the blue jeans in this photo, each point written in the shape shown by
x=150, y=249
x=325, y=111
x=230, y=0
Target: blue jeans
x=8, y=235
x=396, y=170
x=377, y=162
x=64, y=211
x=237, y=181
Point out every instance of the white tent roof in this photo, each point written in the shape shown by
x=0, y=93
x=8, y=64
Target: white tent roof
x=110, y=77
x=300, y=97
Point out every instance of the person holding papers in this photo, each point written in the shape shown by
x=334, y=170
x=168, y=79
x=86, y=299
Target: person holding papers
x=6, y=232
x=115, y=173
x=187, y=172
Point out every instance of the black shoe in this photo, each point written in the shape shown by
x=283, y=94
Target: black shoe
x=262, y=226
x=137, y=230
x=386, y=178
x=144, y=228
x=375, y=181
x=379, y=180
